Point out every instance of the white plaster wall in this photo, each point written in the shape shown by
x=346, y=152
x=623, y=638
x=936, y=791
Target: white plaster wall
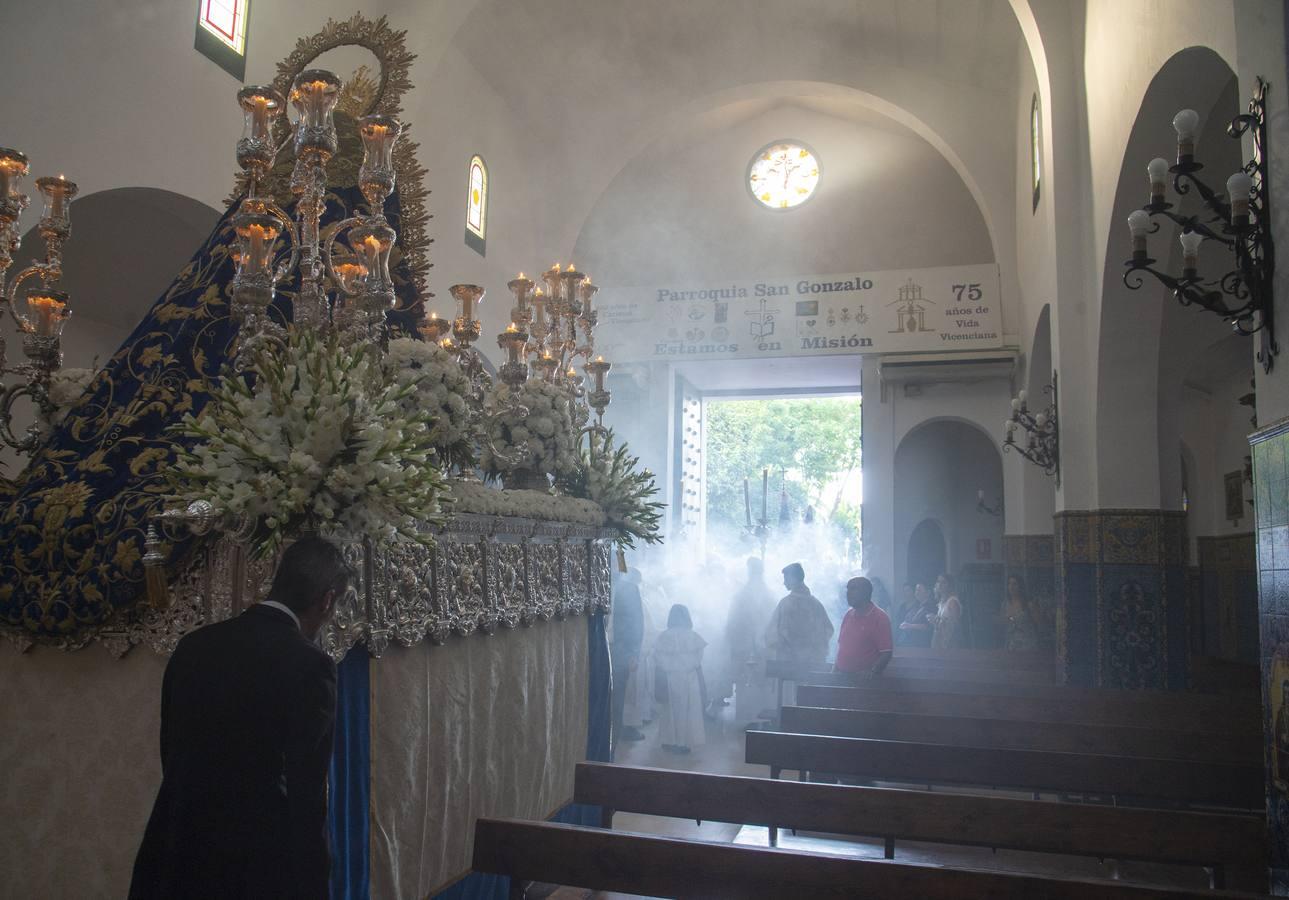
x=889, y=415
x=939, y=467
x=681, y=211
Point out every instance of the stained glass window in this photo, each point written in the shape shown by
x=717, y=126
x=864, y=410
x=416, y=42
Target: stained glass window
x=221, y=33
x=476, y=205
x=1035, y=150
x=783, y=175
x=226, y=20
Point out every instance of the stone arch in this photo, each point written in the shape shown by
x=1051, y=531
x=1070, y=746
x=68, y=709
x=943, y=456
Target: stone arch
x=1131, y=323
x=126, y=247
x=940, y=464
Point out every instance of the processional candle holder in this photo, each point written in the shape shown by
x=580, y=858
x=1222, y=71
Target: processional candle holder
x=520, y=314
x=45, y=310
x=435, y=329
x=514, y=371
x=345, y=283
x=599, y=397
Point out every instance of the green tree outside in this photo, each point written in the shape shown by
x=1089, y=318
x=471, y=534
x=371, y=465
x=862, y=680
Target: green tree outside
x=811, y=446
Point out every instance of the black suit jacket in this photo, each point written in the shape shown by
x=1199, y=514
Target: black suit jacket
x=248, y=710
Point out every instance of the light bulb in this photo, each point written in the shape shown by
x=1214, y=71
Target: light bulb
x=1190, y=242
x=1139, y=224
x=1190, y=251
x=1238, y=188
x=1186, y=122
x=1157, y=169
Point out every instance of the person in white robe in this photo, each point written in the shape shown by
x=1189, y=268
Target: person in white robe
x=678, y=654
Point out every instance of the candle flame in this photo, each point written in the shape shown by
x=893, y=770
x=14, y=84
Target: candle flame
x=599, y=359
x=511, y=327
x=571, y=268
x=521, y=275
x=539, y=293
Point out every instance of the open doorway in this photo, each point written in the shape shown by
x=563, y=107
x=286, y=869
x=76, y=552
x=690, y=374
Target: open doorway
x=784, y=479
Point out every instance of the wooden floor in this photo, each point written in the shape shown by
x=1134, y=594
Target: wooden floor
x=724, y=753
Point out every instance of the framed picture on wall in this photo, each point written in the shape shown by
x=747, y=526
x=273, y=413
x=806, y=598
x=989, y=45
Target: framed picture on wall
x=1234, y=482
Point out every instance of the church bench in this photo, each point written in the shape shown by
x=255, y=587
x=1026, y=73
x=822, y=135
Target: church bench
x=1233, y=846
x=954, y=669
x=625, y=862
x=1191, y=713
x=969, y=674
x=1159, y=781
x=912, y=676
x=965, y=655
x=1020, y=734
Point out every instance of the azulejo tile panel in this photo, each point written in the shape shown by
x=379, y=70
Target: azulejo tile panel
x=1270, y=446
x=1122, y=590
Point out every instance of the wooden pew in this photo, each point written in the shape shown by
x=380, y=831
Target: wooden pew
x=975, y=654
x=1233, y=846
x=1191, y=713
x=668, y=867
x=1166, y=781
x=985, y=659
x=900, y=665
x=1019, y=734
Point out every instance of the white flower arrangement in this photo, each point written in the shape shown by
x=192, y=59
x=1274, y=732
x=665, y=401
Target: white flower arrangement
x=66, y=387
x=611, y=477
x=440, y=388
x=538, y=435
x=319, y=439
x=482, y=500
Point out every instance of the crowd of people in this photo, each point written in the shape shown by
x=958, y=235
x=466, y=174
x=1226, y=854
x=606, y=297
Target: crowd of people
x=662, y=673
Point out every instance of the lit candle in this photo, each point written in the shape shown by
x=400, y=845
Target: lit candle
x=588, y=291
x=13, y=165
x=539, y=301
x=46, y=312
x=520, y=286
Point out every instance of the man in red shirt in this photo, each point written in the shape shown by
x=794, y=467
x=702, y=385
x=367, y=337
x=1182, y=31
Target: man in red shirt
x=864, y=645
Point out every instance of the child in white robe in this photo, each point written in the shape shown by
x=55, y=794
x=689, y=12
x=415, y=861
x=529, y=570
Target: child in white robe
x=678, y=654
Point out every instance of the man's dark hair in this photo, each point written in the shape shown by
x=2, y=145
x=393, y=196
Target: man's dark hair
x=796, y=570
x=863, y=586
x=309, y=568
x=948, y=581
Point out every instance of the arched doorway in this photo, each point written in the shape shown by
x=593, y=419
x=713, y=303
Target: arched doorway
x=927, y=555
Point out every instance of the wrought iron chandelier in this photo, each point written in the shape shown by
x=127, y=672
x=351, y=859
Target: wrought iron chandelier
x=47, y=310
x=1041, y=441
x=1240, y=220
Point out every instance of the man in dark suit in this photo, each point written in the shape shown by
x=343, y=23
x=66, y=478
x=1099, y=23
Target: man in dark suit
x=248, y=709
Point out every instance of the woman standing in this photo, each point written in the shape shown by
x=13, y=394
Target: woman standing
x=916, y=628
x=1020, y=618
x=948, y=615
x=678, y=654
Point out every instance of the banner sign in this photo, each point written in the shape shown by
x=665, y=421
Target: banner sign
x=903, y=311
